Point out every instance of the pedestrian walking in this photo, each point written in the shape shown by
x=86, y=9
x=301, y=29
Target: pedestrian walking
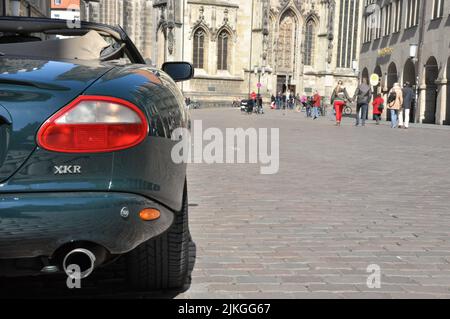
x=278, y=100
x=260, y=104
x=308, y=107
x=363, y=95
x=378, y=107
x=273, y=102
x=338, y=99
x=297, y=101
x=284, y=100
x=253, y=98
x=395, y=103
x=408, y=99
x=317, y=102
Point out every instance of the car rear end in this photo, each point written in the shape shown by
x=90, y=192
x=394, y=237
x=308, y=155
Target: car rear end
x=56, y=166
x=86, y=174
x=83, y=177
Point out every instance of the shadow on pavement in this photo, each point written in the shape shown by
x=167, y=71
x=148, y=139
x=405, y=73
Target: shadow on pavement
x=105, y=283
x=54, y=287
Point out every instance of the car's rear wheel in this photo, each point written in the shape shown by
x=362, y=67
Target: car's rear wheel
x=163, y=262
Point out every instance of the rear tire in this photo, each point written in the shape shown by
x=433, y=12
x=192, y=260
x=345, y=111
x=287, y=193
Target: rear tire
x=163, y=262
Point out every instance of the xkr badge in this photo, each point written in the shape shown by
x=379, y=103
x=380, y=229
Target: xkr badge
x=67, y=169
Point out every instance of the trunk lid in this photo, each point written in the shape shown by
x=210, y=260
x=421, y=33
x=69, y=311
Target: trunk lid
x=30, y=92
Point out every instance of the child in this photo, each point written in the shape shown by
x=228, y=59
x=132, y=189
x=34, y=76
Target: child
x=378, y=107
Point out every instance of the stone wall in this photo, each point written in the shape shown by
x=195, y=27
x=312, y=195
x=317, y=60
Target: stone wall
x=135, y=16
x=33, y=8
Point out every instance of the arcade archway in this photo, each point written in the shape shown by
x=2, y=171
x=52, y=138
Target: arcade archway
x=431, y=75
x=409, y=75
x=392, y=75
x=365, y=74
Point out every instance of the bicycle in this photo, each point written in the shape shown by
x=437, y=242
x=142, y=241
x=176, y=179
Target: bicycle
x=348, y=110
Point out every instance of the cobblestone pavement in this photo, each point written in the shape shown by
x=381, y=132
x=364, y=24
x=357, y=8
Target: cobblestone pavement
x=344, y=198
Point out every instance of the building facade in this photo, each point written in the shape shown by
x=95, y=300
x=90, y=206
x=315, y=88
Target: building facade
x=135, y=16
x=390, y=29
x=243, y=46
x=266, y=46
x=27, y=8
x=65, y=9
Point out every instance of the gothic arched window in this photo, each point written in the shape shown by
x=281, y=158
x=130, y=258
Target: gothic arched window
x=199, y=49
x=222, y=50
x=310, y=35
x=286, y=42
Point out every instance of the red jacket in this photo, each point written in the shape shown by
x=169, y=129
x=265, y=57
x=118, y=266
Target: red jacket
x=317, y=100
x=376, y=103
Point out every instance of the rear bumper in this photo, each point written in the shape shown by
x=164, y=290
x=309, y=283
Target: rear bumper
x=33, y=225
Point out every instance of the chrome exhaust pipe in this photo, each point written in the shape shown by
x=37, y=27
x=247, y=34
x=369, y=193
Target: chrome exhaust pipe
x=83, y=260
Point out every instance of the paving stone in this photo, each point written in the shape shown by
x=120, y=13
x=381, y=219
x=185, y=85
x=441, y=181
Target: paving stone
x=344, y=198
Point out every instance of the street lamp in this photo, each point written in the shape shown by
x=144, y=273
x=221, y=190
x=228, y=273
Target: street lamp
x=413, y=49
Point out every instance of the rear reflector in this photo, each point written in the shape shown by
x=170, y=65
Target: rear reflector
x=149, y=214
x=94, y=124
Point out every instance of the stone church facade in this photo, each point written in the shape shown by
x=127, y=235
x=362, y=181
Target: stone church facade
x=241, y=46
x=135, y=16
x=284, y=45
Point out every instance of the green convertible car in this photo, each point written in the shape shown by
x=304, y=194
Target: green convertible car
x=86, y=175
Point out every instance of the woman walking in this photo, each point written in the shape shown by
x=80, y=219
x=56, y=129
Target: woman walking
x=378, y=107
x=338, y=100
x=395, y=102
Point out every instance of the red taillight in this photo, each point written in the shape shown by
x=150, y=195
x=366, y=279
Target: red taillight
x=94, y=124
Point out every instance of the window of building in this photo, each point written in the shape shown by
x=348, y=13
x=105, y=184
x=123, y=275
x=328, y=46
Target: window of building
x=397, y=15
x=309, y=43
x=379, y=25
x=438, y=9
x=57, y=2
x=199, y=49
x=387, y=20
x=286, y=42
x=222, y=50
x=348, y=33
x=412, y=13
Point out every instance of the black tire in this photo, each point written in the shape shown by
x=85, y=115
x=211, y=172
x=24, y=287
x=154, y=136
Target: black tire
x=163, y=263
